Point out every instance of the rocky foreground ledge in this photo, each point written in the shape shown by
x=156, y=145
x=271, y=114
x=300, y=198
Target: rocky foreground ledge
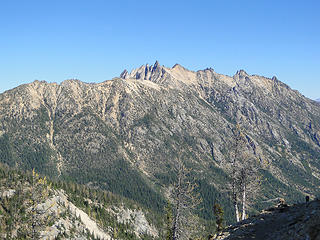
x=300, y=221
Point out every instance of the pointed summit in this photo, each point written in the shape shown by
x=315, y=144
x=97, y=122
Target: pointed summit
x=144, y=72
x=242, y=73
x=176, y=65
x=124, y=74
x=156, y=66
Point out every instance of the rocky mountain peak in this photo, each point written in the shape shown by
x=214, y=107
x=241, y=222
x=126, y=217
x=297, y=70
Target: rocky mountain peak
x=124, y=74
x=241, y=73
x=161, y=75
x=178, y=66
x=241, y=77
x=145, y=72
x=178, y=76
x=156, y=65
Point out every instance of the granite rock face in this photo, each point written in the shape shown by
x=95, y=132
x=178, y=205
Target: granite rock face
x=151, y=116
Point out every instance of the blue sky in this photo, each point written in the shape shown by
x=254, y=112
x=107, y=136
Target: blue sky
x=95, y=40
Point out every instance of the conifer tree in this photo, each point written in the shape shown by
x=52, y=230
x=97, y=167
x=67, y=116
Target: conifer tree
x=218, y=213
x=40, y=216
x=243, y=169
x=184, y=200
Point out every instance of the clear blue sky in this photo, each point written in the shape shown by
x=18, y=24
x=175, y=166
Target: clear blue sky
x=95, y=40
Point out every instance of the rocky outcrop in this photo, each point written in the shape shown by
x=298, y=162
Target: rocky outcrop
x=76, y=219
x=59, y=216
x=135, y=218
x=299, y=222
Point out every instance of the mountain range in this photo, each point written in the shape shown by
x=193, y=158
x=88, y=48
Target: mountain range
x=125, y=135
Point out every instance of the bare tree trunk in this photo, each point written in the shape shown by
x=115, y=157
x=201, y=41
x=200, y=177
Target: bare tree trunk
x=235, y=201
x=244, y=202
x=244, y=171
x=237, y=211
x=234, y=196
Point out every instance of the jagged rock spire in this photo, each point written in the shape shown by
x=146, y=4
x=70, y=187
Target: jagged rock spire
x=156, y=65
x=124, y=74
x=145, y=72
x=242, y=73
